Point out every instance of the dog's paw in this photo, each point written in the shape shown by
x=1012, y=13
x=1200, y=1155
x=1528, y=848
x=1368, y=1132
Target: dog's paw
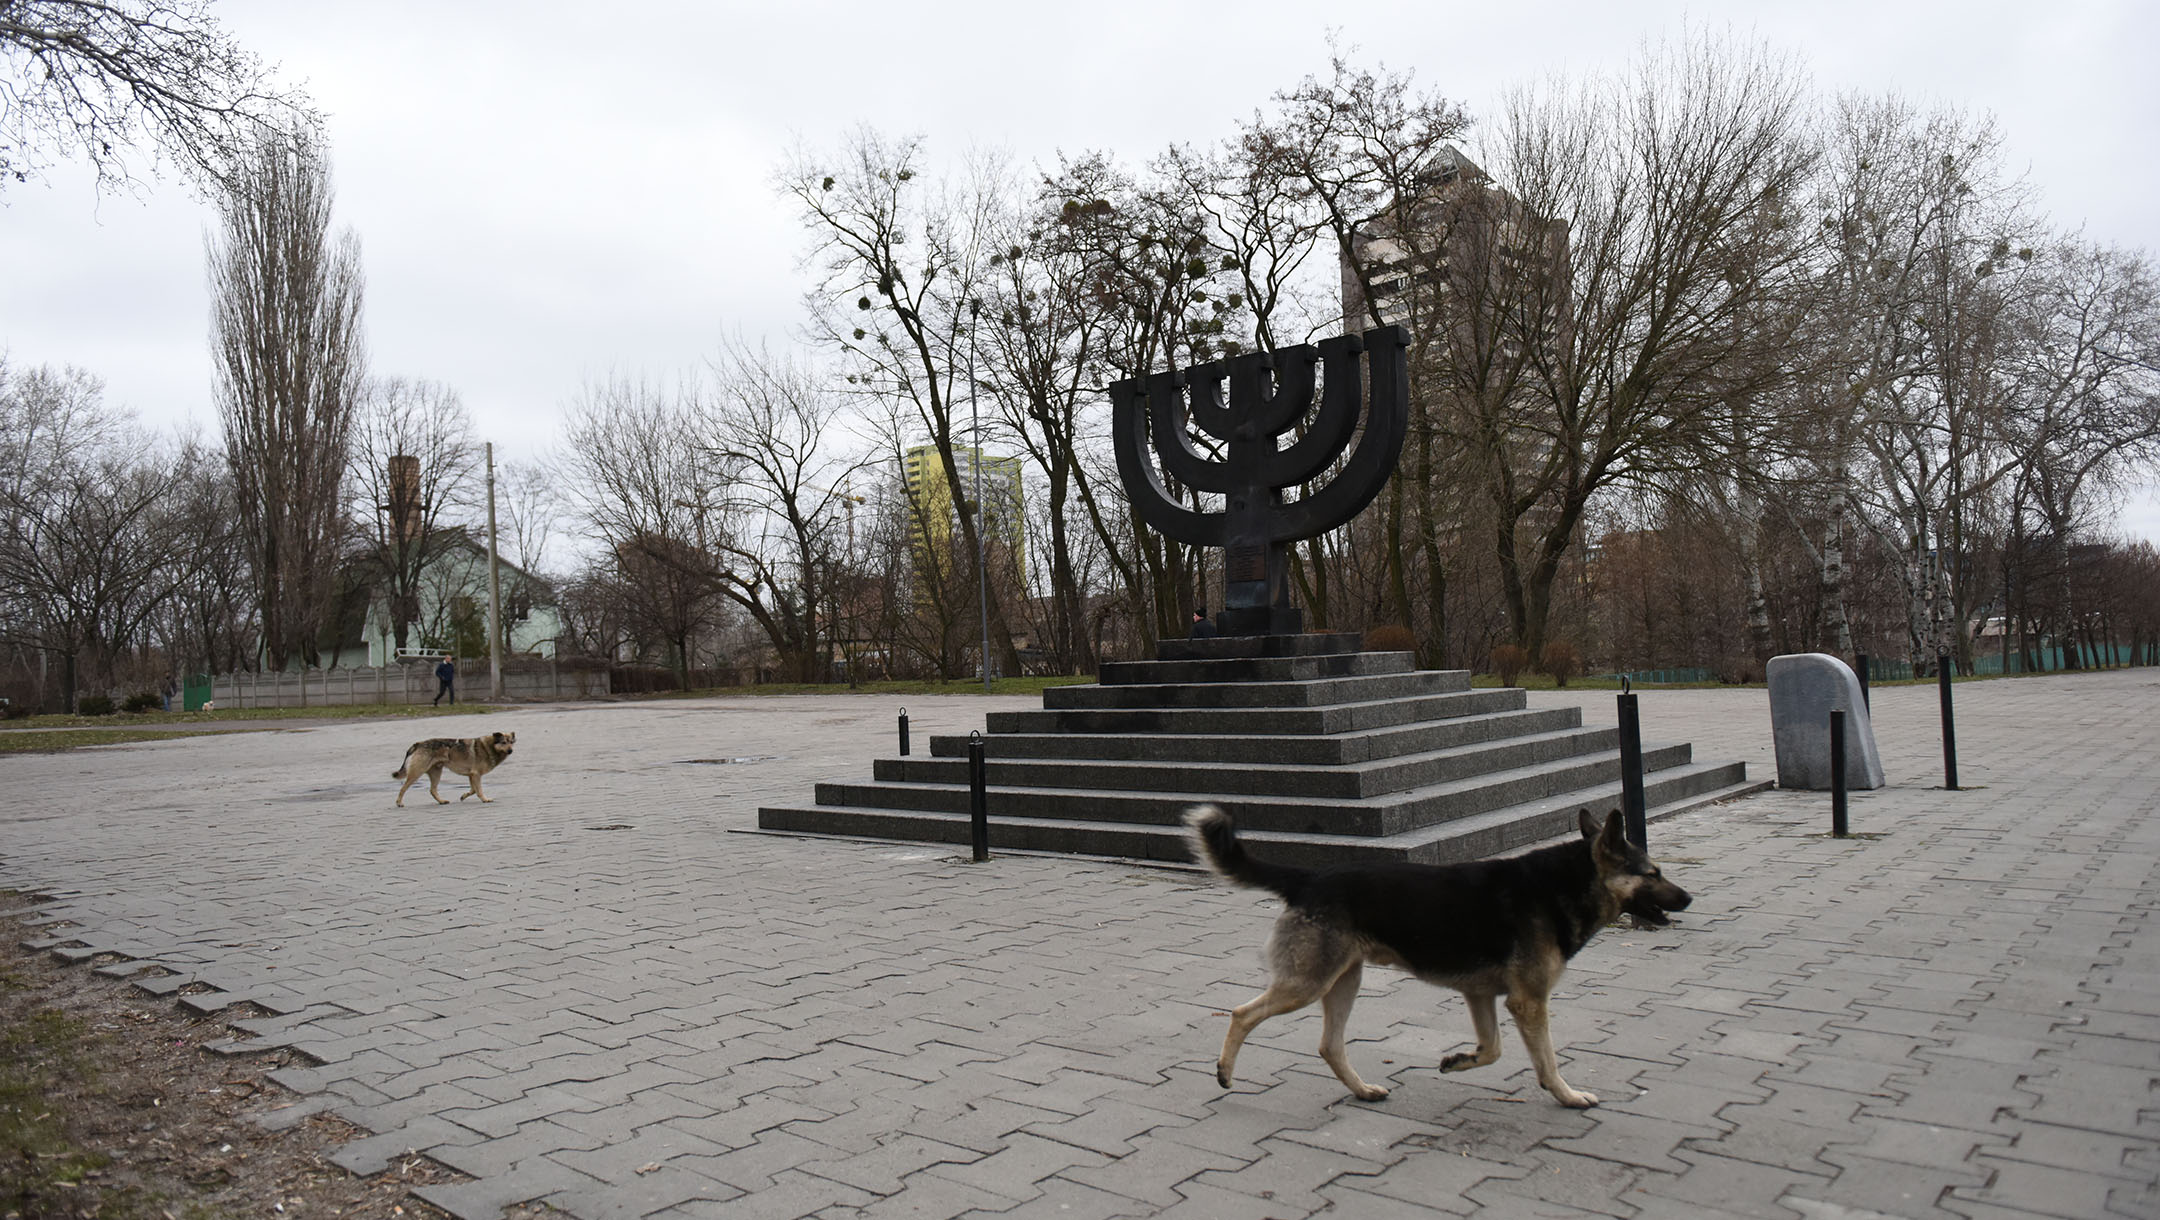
x=1371, y=1092
x=1222, y=1077
x=1575, y=1099
x=1460, y=1061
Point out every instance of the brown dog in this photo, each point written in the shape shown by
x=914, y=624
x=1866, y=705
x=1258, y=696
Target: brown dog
x=1487, y=928
x=471, y=757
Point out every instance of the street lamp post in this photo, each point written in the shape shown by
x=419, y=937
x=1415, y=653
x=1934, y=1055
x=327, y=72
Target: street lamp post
x=982, y=575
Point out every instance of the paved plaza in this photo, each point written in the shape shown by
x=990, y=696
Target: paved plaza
x=594, y=993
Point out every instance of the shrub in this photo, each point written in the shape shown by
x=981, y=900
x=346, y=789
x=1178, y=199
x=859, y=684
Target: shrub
x=16, y=711
x=142, y=701
x=1390, y=638
x=1561, y=661
x=1739, y=670
x=1509, y=660
x=94, y=705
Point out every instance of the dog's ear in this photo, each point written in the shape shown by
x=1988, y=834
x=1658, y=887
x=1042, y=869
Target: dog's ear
x=1612, y=840
x=1588, y=824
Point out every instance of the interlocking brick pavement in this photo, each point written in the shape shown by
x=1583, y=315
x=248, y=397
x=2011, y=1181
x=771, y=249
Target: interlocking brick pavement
x=591, y=992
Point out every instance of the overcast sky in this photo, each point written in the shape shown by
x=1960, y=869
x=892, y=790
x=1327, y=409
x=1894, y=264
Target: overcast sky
x=545, y=192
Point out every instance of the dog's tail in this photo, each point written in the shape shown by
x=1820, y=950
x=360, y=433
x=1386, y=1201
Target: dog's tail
x=400, y=772
x=1215, y=843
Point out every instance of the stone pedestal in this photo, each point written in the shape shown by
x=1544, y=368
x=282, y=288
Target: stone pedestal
x=1804, y=688
x=1324, y=754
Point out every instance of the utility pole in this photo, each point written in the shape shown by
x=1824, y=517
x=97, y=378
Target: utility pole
x=495, y=682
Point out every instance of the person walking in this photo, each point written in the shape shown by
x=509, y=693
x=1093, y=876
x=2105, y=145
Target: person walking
x=446, y=679
x=1202, y=629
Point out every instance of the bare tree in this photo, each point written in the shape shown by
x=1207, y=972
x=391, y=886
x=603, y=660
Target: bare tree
x=1373, y=161
x=531, y=508
x=1931, y=251
x=285, y=334
x=784, y=516
x=410, y=482
x=208, y=625
x=644, y=484
x=90, y=547
x=1044, y=329
x=1150, y=268
x=2085, y=415
x=1662, y=208
x=900, y=292
x=105, y=78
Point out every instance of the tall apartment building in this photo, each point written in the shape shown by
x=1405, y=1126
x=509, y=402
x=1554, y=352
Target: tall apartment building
x=1473, y=267
x=936, y=521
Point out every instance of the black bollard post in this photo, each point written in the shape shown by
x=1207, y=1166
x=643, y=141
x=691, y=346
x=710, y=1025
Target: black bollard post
x=978, y=798
x=1634, y=813
x=1837, y=773
x=903, y=731
x=1863, y=681
x=1942, y=684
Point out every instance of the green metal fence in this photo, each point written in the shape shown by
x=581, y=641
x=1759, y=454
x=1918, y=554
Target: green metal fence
x=1653, y=677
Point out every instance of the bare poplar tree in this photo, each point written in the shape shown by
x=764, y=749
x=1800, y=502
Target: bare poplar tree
x=105, y=78
x=411, y=483
x=285, y=335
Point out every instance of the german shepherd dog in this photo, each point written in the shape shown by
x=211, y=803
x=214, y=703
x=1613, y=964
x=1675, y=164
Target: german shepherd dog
x=1487, y=928
x=471, y=757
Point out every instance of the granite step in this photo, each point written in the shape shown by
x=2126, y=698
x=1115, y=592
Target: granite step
x=1222, y=647
x=1269, y=669
x=1666, y=792
x=1387, y=814
x=1312, y=692
x=1350, y=781
x=1335, y=749
x=1256, y=721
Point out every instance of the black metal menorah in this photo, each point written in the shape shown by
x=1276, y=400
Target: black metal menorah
x=1271, y=395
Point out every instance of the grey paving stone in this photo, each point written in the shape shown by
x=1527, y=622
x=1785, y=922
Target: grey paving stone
x=1739, y=1187
x=1063, y=1200
x=1829, y=1024
x=485, y=1198
x=1598, y=1187
x=1018, y=1169
x=2045, y=1189
x=1864, y=1181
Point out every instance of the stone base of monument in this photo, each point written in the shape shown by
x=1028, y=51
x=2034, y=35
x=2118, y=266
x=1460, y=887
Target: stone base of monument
x=1322, y=753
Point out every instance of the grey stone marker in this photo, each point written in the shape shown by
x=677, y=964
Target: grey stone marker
x=1804, y=688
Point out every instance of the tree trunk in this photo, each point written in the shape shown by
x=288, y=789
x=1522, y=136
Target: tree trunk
x=1833, y=584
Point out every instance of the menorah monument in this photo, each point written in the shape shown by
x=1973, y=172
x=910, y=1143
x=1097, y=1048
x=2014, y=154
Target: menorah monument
x=1271, y=396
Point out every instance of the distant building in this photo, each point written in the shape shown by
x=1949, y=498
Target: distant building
x=936, y=520
x=1471, y=255
x=453, y=608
